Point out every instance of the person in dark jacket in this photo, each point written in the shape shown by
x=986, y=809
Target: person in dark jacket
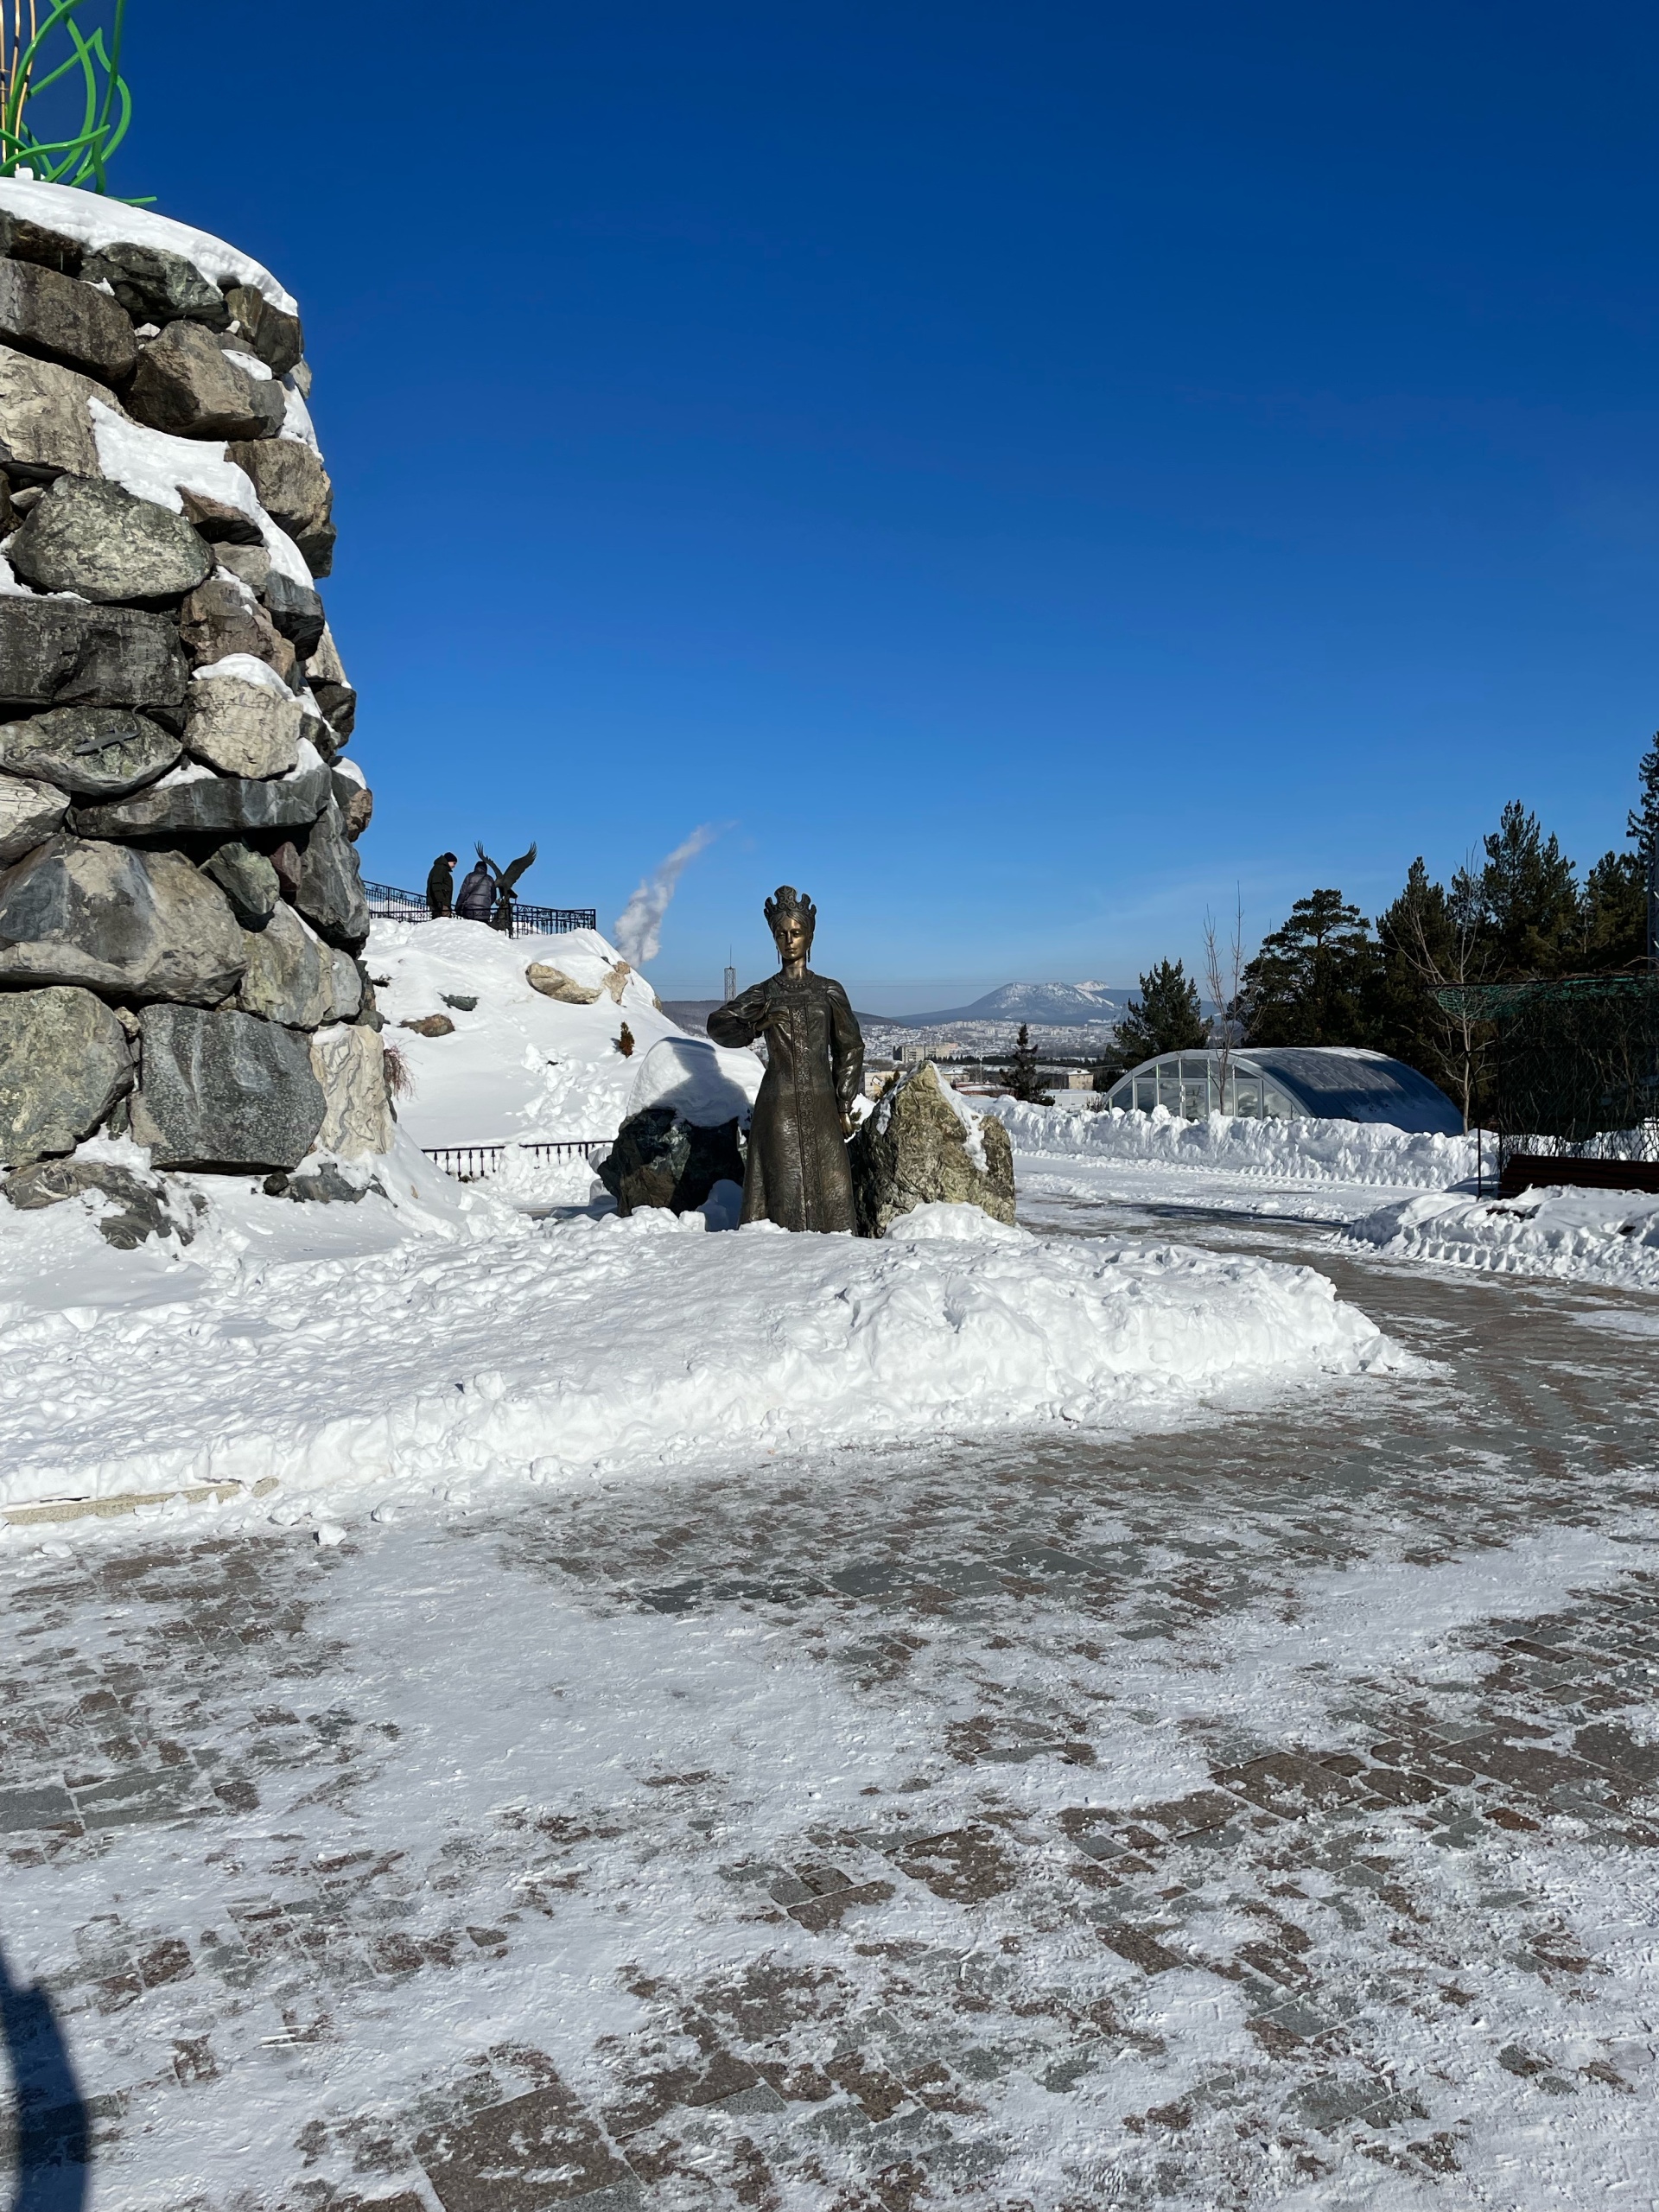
x=441, y=888
x=476, y=901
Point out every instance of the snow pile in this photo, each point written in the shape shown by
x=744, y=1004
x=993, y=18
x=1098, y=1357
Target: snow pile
x=518, y=1065
x=1610, y=1237
x=1309, y=1150
x=98, y=222
x=435, y=1336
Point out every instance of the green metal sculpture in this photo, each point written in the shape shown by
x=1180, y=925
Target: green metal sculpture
x=36, y=36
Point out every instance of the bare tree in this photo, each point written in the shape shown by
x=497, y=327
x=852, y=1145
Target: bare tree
x=1464, y=960
x=1223, y=972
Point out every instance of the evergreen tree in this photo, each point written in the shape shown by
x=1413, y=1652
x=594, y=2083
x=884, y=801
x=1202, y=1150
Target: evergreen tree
x=1643, y=820
x=1531, y=898
x=1022, y=1076
x=1416, y=945
x=1313, y=981
x=1167, y=1018
x=1614, y=914
x=1429, y=938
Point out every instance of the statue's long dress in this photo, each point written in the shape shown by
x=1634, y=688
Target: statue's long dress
x=798, y=1173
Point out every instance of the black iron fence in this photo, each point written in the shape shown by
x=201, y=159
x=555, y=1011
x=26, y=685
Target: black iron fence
x=1574, y=1069
x=388, y=904
x=471, y=1163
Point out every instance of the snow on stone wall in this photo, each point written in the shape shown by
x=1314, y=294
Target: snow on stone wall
x=181, y=908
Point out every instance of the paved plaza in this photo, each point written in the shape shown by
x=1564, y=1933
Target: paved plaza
x=1255, y=1812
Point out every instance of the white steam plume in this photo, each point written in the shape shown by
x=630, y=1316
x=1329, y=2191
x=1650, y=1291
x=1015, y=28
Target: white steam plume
x=639, y=932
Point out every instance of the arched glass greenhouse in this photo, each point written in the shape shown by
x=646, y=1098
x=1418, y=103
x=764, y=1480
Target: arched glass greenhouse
x=1342, y=1083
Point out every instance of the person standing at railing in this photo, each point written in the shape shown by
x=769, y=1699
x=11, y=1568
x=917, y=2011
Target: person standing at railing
x=477, y=900
x=441, y=888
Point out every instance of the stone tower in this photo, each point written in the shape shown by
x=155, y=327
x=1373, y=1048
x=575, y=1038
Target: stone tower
x=180, y=909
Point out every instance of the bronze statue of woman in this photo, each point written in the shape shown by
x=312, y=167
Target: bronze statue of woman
x=798, y=1173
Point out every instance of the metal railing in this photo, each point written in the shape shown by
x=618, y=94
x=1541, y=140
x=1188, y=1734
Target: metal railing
x=387, y=903
x=470, y=1163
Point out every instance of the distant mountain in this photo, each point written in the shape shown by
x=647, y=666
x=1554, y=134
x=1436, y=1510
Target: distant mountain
x=1056, y=1006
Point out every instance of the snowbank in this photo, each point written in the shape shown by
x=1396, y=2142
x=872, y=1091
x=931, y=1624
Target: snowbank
x=518, y=1065
x=1311, y=1151
x=435, y=1336
x=1610, y=1237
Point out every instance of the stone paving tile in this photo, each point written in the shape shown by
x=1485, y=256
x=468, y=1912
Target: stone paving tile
x=884, y=2000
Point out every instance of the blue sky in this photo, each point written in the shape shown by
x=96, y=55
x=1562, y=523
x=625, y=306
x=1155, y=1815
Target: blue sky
x=1025, y=469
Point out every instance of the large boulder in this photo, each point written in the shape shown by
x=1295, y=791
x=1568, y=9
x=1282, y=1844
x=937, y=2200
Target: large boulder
x=289, y=976
x=274, y=336
x=206, y=805
x=96, y=538
x=223, y=1091
x=661, y=1159
x=553, y=984
x=350, y=1064
x=923, y=1145
x=96, y=753
x=139, y=1206
x=354, y=798
x=21, y=240
x=222, y=617
x=29, y=813
x=248, y=881
x=348, y=985
x=329, y=685
x=291, y=481
x=64, y=1061
x=156, y=285
x=58, y=653
x=330, y=895
x=134, y=925
x=187, y=386
x=45, y=311
x=46, y=424
x=243, y=728
x=297, y=611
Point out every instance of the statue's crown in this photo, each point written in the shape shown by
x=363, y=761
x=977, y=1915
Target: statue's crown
x=787, y=899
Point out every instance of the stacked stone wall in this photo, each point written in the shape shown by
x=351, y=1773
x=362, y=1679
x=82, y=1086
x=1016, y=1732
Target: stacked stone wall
x=181, y=913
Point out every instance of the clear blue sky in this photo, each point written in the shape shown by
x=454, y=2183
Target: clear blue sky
x=1026, y=468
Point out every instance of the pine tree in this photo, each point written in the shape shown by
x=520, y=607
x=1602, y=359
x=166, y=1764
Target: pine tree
x=1531, y=898
x=1614, y=914
x=1022, y=1076
x=1643, y=820
x=1428, y=939
x=1167, y=1018
x=1313, y=981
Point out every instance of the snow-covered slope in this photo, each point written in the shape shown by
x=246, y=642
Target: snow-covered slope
x=1308, y=1151
x=518, y=1065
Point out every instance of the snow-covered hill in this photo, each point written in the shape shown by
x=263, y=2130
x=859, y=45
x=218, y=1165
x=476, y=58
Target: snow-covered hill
x=1053, y=1005
x=518, y=1064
